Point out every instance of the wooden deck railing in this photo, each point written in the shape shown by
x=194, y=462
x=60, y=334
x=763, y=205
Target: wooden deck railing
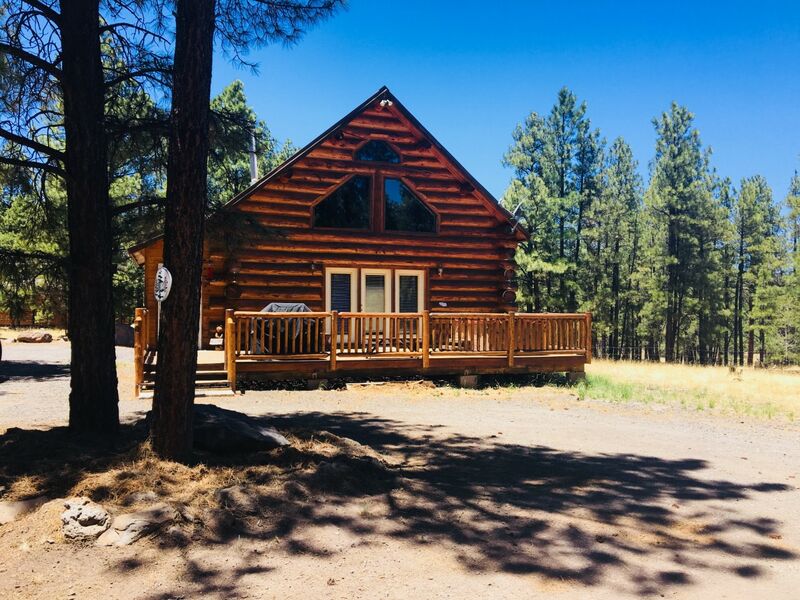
x=371, y=334
x=426, y=335
x=268, y=335
x=464, y=333
x=332, y=336
x=535, y=332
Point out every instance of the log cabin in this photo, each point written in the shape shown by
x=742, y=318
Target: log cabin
x=375, y=222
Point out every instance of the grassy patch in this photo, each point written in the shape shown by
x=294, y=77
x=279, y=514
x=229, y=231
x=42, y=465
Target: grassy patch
x=759, y=393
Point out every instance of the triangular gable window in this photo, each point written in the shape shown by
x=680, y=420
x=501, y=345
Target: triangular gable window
x=347, y=207
x=378, y=151
x=404, y=211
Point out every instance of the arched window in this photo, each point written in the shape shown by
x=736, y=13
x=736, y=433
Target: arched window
x=404, y=211
x=378, y=151
x=347, y=207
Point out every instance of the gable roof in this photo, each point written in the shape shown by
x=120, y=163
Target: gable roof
x=382, y=94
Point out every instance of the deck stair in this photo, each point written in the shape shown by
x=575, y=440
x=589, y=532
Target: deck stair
x=211, y=381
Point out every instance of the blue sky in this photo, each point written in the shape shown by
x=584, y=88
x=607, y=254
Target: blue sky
x=470, y=74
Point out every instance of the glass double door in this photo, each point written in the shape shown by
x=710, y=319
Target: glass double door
x=374, y=290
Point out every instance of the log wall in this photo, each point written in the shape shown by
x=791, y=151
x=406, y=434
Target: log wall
x=473, y=247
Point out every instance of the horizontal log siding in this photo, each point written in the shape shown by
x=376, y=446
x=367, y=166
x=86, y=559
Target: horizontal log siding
x=473, y=245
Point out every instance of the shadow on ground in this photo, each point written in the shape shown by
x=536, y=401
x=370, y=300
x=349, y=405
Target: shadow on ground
x=637, y=524
x=22, y=370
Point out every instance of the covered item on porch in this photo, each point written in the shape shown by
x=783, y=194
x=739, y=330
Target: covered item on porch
x=285, y=329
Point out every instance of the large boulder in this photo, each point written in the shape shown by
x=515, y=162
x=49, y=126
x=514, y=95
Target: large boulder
x=220, y=430
x=11, y=510
x=129, y=527
x=84, y=520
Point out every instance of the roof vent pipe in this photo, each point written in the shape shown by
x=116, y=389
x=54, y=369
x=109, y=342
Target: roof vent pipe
x=253, y=160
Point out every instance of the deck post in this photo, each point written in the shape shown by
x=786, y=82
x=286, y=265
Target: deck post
x=588, y=340
x=511, y=341
x=230, y=348
x=139, y=344
x=334, y=335
x=426, y=339
x=145, y=328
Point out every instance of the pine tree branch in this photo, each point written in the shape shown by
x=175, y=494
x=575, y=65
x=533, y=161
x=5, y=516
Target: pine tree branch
x=32, y=144
x=112, y=27
x=32, y=59
x=149, y=72
x=149, y=201
x=14, y=255
x=32, y=164
x=44, y=9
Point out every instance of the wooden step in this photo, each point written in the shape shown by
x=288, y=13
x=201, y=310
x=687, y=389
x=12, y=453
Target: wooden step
x=200, y=393
x=199, y=376
x=212, y=384
x=202, y=367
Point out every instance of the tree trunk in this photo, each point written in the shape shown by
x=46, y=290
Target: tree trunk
x=750, y=332
x=562, y=282
x=537, y=295
x=183, y=229
x=616, y=351
x=93, y=400
x=738, y=311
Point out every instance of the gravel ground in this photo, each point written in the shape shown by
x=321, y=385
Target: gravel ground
x=34, y=382
x=508, y=493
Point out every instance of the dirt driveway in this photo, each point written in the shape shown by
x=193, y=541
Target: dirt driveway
x=510, y=493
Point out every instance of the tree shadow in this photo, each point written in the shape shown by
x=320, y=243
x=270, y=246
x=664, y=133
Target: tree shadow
x=634, y=524
x=29, y=370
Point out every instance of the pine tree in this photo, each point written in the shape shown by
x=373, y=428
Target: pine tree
x=611, y=247
x=233, y=121
x=682, y=211
x=757, y=223
x=789, y=310
x=564, y=154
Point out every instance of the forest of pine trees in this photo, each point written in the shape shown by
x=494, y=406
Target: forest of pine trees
x=687, y=266
x=684, y=267
x=33, y=240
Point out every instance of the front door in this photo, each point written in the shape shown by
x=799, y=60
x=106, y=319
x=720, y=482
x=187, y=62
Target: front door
x=375, y=291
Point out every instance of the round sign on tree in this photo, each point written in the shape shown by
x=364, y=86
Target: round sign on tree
x=163, y=283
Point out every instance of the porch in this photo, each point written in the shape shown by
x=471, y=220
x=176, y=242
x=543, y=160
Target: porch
x=323, y=345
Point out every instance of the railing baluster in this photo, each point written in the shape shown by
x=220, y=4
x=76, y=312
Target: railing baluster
x=334, y=328
x=511, y=343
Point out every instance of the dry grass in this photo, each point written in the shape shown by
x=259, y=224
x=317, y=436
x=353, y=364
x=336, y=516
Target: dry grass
x=763, y=393
x=32, y=464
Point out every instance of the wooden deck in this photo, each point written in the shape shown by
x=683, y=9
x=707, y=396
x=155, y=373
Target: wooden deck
x=323, y=345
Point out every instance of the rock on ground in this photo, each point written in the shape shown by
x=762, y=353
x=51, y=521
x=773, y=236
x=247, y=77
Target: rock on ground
x=40, y=337
x=12, y=510
x=239, y=499
x=127, y=528
x=83, y=519
x=220, y=430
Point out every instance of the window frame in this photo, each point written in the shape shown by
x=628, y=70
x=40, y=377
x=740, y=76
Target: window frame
x=354, y=298
x=330, y=192
x=387, y=282
x=419, y=196
x=377, y=202
x=422, y=285
x=378, y=162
